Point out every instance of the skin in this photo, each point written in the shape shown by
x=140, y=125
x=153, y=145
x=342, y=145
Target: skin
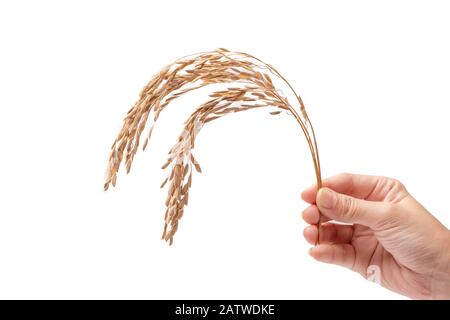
x=385, y=230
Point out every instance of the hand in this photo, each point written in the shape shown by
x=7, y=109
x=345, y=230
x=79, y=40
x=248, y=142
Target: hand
x=388, y=236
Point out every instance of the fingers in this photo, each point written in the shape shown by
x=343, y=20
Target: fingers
x=311, y=215
x=339, y=254
x=355, y=185
x=347, y=209
x=330, y=233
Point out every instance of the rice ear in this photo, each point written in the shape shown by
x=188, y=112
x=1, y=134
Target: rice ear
x=251, y=85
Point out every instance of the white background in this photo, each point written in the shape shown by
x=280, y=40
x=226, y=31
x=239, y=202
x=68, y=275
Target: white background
x=374, y=76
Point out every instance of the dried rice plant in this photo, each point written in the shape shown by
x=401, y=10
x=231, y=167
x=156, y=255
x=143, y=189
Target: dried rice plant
x=252, y=88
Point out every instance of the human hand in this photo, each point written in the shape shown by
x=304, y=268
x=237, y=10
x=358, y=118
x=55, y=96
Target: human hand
x=389, y=237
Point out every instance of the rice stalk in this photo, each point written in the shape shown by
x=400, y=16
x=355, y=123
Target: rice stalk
x=251, y=87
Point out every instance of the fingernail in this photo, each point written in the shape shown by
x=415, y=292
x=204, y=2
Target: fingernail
x=326, y=198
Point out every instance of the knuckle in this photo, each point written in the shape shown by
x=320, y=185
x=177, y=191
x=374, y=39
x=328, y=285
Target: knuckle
x=392, y=189
x=348, y=207
x=394, y=184
x=352, y=209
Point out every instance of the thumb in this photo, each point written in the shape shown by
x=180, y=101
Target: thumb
x=347, y=209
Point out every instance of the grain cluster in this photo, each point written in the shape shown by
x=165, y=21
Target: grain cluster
x=250, y=85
